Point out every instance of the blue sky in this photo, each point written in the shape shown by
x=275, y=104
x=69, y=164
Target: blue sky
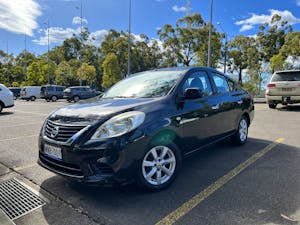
x=18, y=17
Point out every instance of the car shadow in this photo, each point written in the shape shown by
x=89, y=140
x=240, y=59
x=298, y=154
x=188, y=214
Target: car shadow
x=290, y=108
x=6, y=113
x=131, y=205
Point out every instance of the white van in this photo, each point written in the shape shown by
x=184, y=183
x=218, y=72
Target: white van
x=6, y=98
x=30, y=93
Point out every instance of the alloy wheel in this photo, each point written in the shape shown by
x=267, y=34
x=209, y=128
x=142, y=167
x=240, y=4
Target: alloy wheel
x=243, y=130
x=159, y=165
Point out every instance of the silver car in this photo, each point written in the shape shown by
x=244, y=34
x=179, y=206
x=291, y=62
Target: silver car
x=284, y=88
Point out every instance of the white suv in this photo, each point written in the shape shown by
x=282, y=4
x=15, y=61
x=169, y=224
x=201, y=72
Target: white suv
x=284, y=88
x=6, y=98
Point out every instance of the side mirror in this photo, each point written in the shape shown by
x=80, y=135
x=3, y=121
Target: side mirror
x=193, y=93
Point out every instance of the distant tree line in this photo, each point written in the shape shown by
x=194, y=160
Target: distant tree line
x=276, y=46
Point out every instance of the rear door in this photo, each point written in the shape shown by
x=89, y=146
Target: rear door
x=231, y=101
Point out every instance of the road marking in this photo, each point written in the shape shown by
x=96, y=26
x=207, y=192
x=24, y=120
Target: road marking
x=197, y=199
x=18, y=168
x=21, y=137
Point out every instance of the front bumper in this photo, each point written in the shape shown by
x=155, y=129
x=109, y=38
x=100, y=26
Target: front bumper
x=114, y=161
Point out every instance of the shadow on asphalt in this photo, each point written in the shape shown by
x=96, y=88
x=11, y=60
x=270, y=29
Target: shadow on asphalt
x=130, y=205
x=291, y=108
x=6, y=113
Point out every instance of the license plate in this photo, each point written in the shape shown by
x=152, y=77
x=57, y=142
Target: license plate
x=53, y=152
x=287, y=89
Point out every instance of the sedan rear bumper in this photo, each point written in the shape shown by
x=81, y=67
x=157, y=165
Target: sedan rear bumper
x=283, y=99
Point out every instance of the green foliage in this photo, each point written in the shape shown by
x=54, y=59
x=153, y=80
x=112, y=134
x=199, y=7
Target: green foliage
x=88, y=74
x=64, y=74
x=111, y=70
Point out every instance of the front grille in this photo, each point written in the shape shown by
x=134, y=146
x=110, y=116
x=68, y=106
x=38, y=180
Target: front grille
x=16, y=200
x=61, y=132
x=62, y=167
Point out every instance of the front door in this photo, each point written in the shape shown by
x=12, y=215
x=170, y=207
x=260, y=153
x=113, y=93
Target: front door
x=200, y=119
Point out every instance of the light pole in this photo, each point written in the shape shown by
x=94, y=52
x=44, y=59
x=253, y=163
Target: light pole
x=129, y=39
x=25, y=52
x=48, y=58
x=7, y=60
x=81, y=39
x=210, y=33
x=225, y=47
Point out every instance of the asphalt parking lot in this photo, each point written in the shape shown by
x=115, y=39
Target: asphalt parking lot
x=258, y=183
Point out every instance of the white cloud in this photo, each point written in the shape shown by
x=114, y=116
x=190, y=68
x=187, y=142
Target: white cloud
x=298, y=2
x=179, y=9
x=246, y=27
x=255, y=19
x=97, y=37
x=19, y=16
x=77, y=20
x=56, y=35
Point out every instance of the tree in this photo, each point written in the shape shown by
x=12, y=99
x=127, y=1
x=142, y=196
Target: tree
x=64, y=74
x=238, y=54
x=291, y=47
x=88, y=74
x=35, y=75
x=111, y=70
x=185, y=39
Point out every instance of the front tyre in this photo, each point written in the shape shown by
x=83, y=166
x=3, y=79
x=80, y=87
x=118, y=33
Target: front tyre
x=241, y=135
x=272, y=105
x=159, y=167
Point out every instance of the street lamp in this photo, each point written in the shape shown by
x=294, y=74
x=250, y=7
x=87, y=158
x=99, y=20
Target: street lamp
x=25, y=52
x=48, y=58
x=129, y=39
x=225, y=47
x=80, y=81
x=210, y=33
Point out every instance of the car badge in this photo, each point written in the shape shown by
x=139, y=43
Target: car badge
x=54, y=132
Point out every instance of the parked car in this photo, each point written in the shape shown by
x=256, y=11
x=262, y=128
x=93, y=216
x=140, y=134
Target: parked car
x=283, y=88
x=79, y=92
x=52, y=92
x=16, y=91
x=6, y=98
x=31, y=93
x=144, y=125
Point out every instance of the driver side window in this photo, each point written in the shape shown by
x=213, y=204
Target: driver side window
x=198, y=80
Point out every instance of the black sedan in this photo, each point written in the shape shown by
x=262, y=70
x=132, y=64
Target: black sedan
x=143, y=126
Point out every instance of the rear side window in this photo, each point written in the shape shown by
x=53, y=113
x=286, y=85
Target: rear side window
x=221, y=83
x=51, y=89
x=287, y=76
x=59, y=88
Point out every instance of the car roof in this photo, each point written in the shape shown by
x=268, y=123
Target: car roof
x=287, y=71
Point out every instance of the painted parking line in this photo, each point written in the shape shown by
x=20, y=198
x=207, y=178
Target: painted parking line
x=18, y=168
x=197, y=199
x=20, y=137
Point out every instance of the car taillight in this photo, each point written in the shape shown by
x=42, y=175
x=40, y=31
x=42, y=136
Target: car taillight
x=271, y=85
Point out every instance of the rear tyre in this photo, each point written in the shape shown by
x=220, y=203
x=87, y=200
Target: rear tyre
x=241, y=135
x=53, y=98
x=159, y=167
x=32, y=98
x=272, y=105
x=1, y=107
x=76, y=98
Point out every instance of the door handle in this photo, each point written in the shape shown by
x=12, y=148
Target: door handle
x=240, y=102
x=215, y=107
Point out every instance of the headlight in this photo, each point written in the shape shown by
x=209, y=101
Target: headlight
x=119, y=125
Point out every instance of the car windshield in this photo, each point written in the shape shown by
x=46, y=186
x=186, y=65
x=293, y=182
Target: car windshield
x=144, y=85
x=288, y=76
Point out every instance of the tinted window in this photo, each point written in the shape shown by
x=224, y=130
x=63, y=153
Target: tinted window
x=287, y=76
x=221, y=83
x=198, y=80
x=50, y=89
x=59, y=88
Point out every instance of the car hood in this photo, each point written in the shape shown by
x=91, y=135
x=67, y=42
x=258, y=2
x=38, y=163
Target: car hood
x=96, y=110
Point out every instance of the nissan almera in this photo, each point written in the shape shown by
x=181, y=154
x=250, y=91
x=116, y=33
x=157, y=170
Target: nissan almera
x=143, y=126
